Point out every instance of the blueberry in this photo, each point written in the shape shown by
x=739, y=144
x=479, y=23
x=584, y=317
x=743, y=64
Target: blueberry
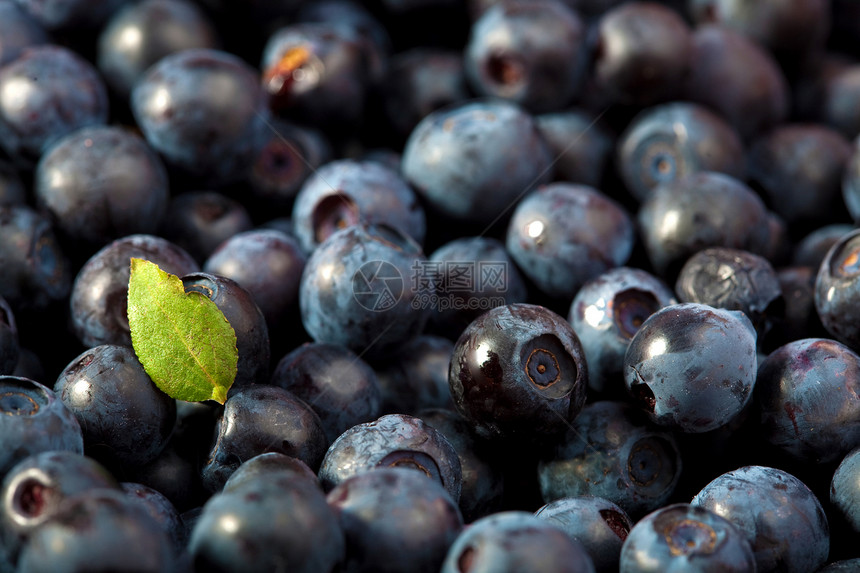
x=10, y=349
x=269, y=466
x=416, y=376
x=691, y=367
x=643, y=52
x=807, y=395
x=563, y=235
x=100, y=184
x=357, y=290
x=531, y=53
x=174, y=473
x=261, y=419
x=483, y=481
x=203, y=111
x=581, y=144
x=812, y=248
x=738, y=78
x=612, y=451
x=799, y=169
x=518, y=373
x=126, y=420
x=34, y=420
x=851, y=183
x=160, y=509
x=289, y=155
x=395, y=520
x=340, y=387
x=474, y=274
x=99, y=530
x=842, y=566
x=55, y=92
x=200, y=221
x=67, y=15
x=826, y=95
x=666, y=142
x=837, y=289
x=800, y=319
x=266, y=263
x=247, y=321
x=36, y=272
x=420, y=81
x=267, y=524
x=779, y=516
x=394, y=440
x=141, y=33
x=845, y=489
x=597, y=523
x=606, y=313
x=34, y=489
x=344, y=192
x=99, y=297
x=686, y=537
x=512, y=541
x=700, y=210
x=18, y=31
x=732, y=279
x=472, y=160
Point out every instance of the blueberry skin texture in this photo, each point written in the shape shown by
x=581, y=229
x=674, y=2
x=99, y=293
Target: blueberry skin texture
x=272, y=466
x=126, y=420
x=162, y=26
x=203, y=111
x=600, y=525
x=512, y=541
x=700, y=210
x=395, y=519
x=247, y=320
x=607, y=312
x=50, y=92
x=811, y=249
x=36, y=272
x=420, y=81
x=277, y=525
x=100, y=530
x=66, y=15
x=798, y=28
x=33, y=491
x=563, y=235
x=692, y=367
x=266, y=263
x=612, y=451
x=664, y=143
x=473, y=160
x=99, y=295
x=530, y=53
x=732, y=279
x=837, y=290
x=10, y=349
x=643, y=52
x=416, y=376
x=734, y=76
x=199, y=221
x=799, y=168
x=806, y=393
x=844, y=490
x=18, y=31
x=518, y=373
x=101, y=183
x=580, y=142
x=780, y=517
x=260, y=419
x=345, y=192
x=340, y=387
x=469, y=298
x=34, y=421
x=483, y=481
x=290, y=154
x=160, y=509
x=684, y=537
x=394, y=440
x=355, y=290
x=843, y=566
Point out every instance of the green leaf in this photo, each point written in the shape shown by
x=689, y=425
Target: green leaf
x=183, y=340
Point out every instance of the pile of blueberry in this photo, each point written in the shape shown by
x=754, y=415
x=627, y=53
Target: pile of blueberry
x=517, y=285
